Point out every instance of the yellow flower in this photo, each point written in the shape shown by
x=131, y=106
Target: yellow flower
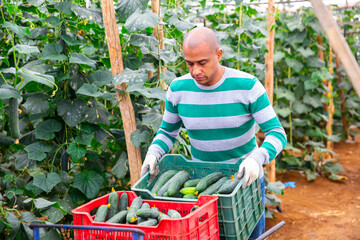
x=85, y=22
x=97, y=116
x=17, y=141
x=85, y=158
x=53, y=93
x=4, y=37
x=237, y=21
x=112, y=189
x=20, y=111
x=48, y=15
x=89, y=102
x=108, y=205
x=328, y=94
x=331, y=88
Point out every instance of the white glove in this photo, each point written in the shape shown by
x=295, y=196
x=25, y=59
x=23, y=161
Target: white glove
x=149, y=164
x=249, y=169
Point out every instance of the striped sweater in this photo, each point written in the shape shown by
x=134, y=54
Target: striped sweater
x=220, y=119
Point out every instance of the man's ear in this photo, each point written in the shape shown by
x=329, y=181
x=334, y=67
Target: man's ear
x=219, y=54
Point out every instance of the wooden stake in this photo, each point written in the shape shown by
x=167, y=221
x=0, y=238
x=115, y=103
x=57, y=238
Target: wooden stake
x=125, y=105
x=337, y=40
x=269, y=74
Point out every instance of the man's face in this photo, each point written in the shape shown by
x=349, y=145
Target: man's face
x=203, y=63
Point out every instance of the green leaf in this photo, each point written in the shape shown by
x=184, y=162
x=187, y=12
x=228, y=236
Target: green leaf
x=26, y=49
x=334, y=138
x=301, y=108
x=143, y=40
x=139, y=21
x=157, y=93
x=272, y=200
x=278, y=56
x=70, y=41
x=333, y=167
x=98, y=115
x=282, y=92
x=101, y=77
x=52, y=51
x=88, y=13
x=28, y=217
x=306, y=52
x=89, y=183
x=20, y=31
x=153, y=118
x=138, y=137
x=82, y=59
x=46, y=130
x=89, y=90
x=37, y=103
x=276, y=187
x=47, y=183
x=53, y=214
x=130, y=77
x=84, y=139
x=64, y=6
x=41, y=203
x=310, y=175
x=314, y=101
x=71, y=113
x=76, y=152
x=294, y=64
x=127, y=7
x=30, y=76
x=180, y=25
x=284, y=112
x=7, y=91
x=168, y=76
x=55, y=21
x=121, y=167
x=37, y=151
x=15, y=224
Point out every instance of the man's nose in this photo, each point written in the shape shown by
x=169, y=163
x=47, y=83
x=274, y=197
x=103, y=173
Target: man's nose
x=196, y=70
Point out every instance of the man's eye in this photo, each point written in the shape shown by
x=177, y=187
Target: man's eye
x=202, y=63
x=190, y=64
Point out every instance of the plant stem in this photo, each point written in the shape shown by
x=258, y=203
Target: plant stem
x=290, y=117
x=239, y=38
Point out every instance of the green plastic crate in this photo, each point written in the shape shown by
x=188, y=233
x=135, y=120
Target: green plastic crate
x=239, y=211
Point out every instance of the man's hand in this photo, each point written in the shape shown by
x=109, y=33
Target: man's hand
x=149, y=165
x=249, y=169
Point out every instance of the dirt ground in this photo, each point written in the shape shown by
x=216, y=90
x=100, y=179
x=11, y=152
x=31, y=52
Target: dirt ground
x=322, y=209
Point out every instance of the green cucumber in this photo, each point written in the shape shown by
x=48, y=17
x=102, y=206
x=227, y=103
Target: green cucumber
x=173, y=213
x=162, y=216
x=120, y=217
x=123, y=202
x=101, y=213
x=208, y=180
x=165, y=187
x=165, y=194
x=113, y=200
x=149, y=222
x=140, y=220
x=135, y=205
x=188, y=196
x=192, y=182
x=148, y=213
x=229, y=187
x=188, y=191
x=177, y=182
x=162, y=180
x=194, y=208
x=145, y=206
x=13, y=111
x=214, y=187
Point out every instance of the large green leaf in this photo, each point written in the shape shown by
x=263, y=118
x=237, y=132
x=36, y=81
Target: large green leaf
x=7, y=91
x=46, y=130
x=153, y=118
x=294, y=64
x=72, y=113
x=23, y=161
x=55, y=21
x=139, y=21
x=179, y=24
x=30, y=76
x=121, y=167
x=20, y=31
x=53, y=214
x=301, y=108
x=89, y=183
x=41, y=203
x=76, y=151
x=98, y=115
x=305, y=52
x=37, y=151
x=276, y=187
x=101, y=77
x=138, y=137
x=157, y=93
x=126, y=7
x=282, y=92
x=37, y=103
x=84, y=138
x=88, y=13
x=70, y=41
x=314, y=101
x=26, y=49
x=80, y=58
x=46, y=183
x=130, y=77
x=15, y=224
x=64, y=6
x=143, y=40
x=52, y=51
x=89, y=90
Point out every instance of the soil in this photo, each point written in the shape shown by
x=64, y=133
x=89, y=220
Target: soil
x=322, y=209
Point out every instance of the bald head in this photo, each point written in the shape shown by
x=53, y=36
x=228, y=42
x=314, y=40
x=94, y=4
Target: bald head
x=200, y=35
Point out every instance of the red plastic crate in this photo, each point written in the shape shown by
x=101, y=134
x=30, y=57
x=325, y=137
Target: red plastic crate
x=201, y=224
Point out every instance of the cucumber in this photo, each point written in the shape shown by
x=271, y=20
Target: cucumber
x=13, y=111
x=214, y=187
x=124, y=202
x=101, y=213
x=135, y=205
x=145, y=206
x=140, y=220
x=228, y=187
x=113, y=200
x=188, y=196
x=165, y=187
x=192, y=182
x=120, y=217
x=173, y=213
x=162, y=216
x=165, y=194
x=149, y=222
x=188, y=191
x=208, y=180
x=148, y=213
x=162, y=180
x=194, y=208
x=177, y=182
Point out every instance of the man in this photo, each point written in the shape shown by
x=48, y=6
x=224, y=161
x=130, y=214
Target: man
x=219, y=107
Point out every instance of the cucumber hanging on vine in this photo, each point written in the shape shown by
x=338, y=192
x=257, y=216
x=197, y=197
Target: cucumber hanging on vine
x=13, y=111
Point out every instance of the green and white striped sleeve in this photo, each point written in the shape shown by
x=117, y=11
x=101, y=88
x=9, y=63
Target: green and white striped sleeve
x=265, y=117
